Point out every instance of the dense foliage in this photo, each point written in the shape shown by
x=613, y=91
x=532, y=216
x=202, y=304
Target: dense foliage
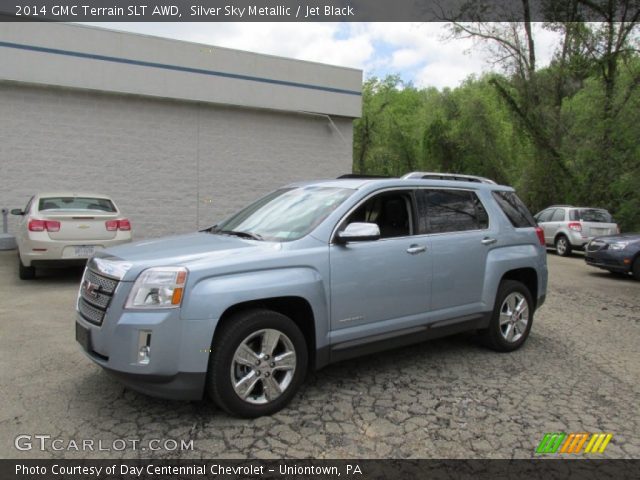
x=566, y=133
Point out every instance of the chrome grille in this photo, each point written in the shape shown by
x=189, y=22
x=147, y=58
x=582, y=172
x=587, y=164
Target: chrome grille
x=100, y=300
x=107, y=285
x=96, y=292
x=90, y=313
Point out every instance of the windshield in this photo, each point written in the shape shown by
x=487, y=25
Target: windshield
x=286, y=214
x=591, y=215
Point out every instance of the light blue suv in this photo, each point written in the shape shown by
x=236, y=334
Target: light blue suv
x=311, y=274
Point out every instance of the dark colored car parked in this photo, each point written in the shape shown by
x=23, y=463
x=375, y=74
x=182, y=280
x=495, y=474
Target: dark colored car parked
x=616, y=253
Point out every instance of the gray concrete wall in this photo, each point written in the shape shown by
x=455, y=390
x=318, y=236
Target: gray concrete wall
x=171, y=166
x=76, y=56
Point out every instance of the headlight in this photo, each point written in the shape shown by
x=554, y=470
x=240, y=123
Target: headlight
x=618, y=245
x=160, y=287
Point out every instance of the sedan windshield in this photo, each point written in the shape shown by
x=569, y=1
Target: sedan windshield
x=286, y=214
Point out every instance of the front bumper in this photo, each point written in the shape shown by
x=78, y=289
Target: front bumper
x=613, y=260
x=178, y=349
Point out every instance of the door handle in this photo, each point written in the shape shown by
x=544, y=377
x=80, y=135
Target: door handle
x=413, y=249
x=488, y=241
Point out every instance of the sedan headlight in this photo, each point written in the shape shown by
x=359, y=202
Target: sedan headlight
x=618, y=245
x=160, y=287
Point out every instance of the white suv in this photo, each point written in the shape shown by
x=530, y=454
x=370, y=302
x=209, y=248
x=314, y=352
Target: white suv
x=567, y=228
x=66, y=229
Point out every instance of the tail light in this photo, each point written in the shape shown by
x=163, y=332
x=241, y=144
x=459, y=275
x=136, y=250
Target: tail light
x=575, y=226
x=540, y=234
x=123, y=224
x=44, y=225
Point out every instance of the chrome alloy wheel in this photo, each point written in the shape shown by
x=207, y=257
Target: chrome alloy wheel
x=263, y=366
x=561, y=246
x=514, y=317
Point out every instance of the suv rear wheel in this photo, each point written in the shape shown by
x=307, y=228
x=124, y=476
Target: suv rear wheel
x=563, y=246
x=258, y=363
x=511, y=319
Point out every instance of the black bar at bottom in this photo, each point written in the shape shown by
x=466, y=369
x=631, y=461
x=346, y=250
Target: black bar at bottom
x=551, y=468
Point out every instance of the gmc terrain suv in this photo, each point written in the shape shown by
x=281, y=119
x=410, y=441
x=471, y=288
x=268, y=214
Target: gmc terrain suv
x=311, y=274
x=567, y=228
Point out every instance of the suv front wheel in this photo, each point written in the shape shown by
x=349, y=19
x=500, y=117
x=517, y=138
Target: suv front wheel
x=258, y=362
x=511, y=319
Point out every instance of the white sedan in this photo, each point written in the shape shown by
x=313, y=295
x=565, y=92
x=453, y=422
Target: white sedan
x=66, y=229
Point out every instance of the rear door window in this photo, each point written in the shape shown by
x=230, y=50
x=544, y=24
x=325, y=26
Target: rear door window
x=514, y=209
x=558, y=216
x=545, y=216
x=448, y=210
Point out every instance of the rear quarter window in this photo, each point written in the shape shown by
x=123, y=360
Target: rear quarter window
x=516, y=211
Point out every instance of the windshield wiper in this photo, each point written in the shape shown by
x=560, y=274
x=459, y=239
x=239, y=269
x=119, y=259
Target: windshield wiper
x=238, y=233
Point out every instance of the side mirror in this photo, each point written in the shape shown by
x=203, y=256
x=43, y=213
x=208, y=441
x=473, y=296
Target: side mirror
x=359, y=232
x=17, y=211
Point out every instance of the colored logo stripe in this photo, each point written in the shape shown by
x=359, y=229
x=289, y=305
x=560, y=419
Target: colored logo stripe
x=550, y=442
x=559, y=442
x=574, y=443
x=598, y=443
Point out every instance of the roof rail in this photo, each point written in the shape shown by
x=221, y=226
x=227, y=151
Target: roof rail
x=447, y=176
x=556, y=206
x=361, y=175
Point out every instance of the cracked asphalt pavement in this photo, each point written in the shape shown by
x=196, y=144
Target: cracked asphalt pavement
x=449, y=398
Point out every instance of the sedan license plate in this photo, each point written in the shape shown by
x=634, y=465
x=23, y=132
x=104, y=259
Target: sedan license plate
x=83, y=336
x=84, y=250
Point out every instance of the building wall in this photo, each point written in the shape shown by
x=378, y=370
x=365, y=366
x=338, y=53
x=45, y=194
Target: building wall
x=171, y=166
x=76, y=56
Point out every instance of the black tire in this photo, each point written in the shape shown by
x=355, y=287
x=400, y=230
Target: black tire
x=236, y=330
x=563, y=246
x=635, y=269
x=25, y=273
x=493, y=337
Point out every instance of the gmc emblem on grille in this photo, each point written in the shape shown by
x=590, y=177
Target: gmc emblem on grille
x=91, y=289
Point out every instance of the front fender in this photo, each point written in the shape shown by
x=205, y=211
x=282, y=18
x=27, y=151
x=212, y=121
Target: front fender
x=210, y=297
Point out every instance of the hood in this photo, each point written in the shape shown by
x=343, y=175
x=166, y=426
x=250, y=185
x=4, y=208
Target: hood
x=622, y=237
x=180, y=250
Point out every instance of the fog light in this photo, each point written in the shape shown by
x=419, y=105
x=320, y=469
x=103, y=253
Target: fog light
x=144, y=347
